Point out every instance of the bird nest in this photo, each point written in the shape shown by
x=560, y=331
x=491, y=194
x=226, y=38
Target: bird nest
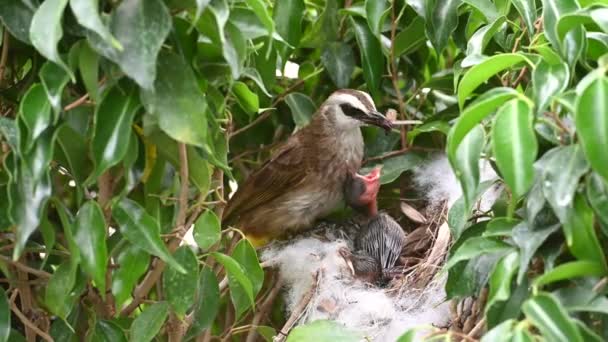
x=320, y=283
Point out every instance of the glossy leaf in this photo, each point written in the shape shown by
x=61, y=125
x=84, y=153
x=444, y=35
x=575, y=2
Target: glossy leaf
x=241, y=290
x=597, y=194
x=376, y=11
x=90, y=236
x=527, y=10
x=148, y=323
x=132, y=264
x=500, y=226
x=207, y=230
x=5, y=317
x=560, y=170
x=485, y=7
x=35, y=111
x=548, y=80
x=528, y=240
x=88, y=64
x=17, y=18
x=246, y=98
x=393, y=167
x=411, y=37
x=550, y=318
x=108, y=331
x=287, y=16
x=322, y=330
x=208, y=303
x=245, y=255
x=483, y=71
x=259, y=8
x=53, y=80
x=372, y=59
x=339, y=61
x=142, y=230
x=569, y=271
x=501, y=332
x=572, y=45
x=58, y=289
x=112, y=127
x=87, y=14
x=75, y=150
x=466, y=163
x=441, y=21
x=177, y=102
x=474, y=113
x=476, y=246
x=514, y=145
x=478, y=42
x=180, y=288
x=46, y=31
x=580, y=233
x=302, y=108
x=141, y=27
x=501, y=278
x=592, y=124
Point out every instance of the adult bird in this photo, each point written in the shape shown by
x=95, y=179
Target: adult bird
x=303, y=179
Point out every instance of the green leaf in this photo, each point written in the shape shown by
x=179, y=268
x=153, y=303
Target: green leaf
x=287, y=17
x=551, y=318
x=322, y=330
x=372, y=59
x=560, y=170
x=108, y=331
x=207, y=230
x=208, y=304
x=580, y=233
x=148, y=323
x=572, y=20
x=58, y=289
x=241, y=290
x=177, y=102
x=476, y=246
x=527, y=10
x=247, y=99
x=528, y=240
x=597, y=194
x=88, y=64
x=46, y=31
x=261, y=12
x=141, y=27
x=132, y=264
x=466, y=164
x=90, y=236
x=571, y=47
x=474, y=113
x=478, y=42
x=35, y=111
x=234, y=49
x=376, y=11
x=142, y=230
x=514, y=145
x=393, y=167
x=339, y=61
x=485, y=8
x=500, y=226
x=53, y=80
x=5, y=317
x=75, y=150
x=548, y=80
x=569, y=271
x=245, y=254
x=592, y=123
x=510, y=308
x=457, y=217
x=501, y=332
x=500, y=280
x=87, y=15
x=180, y=288
x=302, y=108
x=112, y=127
x=17, y=18
x=409, y=336
x=482, y=72
x=441, y=21
x=410, y=38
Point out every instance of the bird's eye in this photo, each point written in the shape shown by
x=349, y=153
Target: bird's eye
x=352, y=111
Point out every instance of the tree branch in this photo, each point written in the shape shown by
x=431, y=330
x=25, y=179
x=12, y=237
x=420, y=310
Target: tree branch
x=4, y=57
x=395, y=74
x=29, y=324
x=25, y=268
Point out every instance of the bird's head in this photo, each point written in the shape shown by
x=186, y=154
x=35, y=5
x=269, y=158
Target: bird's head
x=349, y=108
x=360, y=191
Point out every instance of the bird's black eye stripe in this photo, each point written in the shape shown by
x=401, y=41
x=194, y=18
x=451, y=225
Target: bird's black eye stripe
x=350, y=110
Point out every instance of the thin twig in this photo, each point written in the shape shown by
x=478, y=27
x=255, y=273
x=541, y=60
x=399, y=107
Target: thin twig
x=183, y=193
x=399, y=152
x=81, y=100
x=4, y=58
x=264, y=308
x=25, y=268
x=477, y=328
x=299, y=309
x=520, y=77
x=29, y=324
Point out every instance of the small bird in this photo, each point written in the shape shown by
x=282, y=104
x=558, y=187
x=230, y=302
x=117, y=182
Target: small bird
x=304, y=178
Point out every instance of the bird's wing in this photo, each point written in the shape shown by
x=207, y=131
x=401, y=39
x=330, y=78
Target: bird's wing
x=278, y=175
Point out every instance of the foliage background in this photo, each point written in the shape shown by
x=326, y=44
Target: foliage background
x=122, y=123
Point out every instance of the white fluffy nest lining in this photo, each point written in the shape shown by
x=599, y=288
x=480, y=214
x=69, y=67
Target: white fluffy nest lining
x=319, y=284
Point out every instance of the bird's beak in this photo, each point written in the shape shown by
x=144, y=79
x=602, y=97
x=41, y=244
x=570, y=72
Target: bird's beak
x=377, y=119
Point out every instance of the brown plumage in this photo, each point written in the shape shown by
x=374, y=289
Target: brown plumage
x=303, y=179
